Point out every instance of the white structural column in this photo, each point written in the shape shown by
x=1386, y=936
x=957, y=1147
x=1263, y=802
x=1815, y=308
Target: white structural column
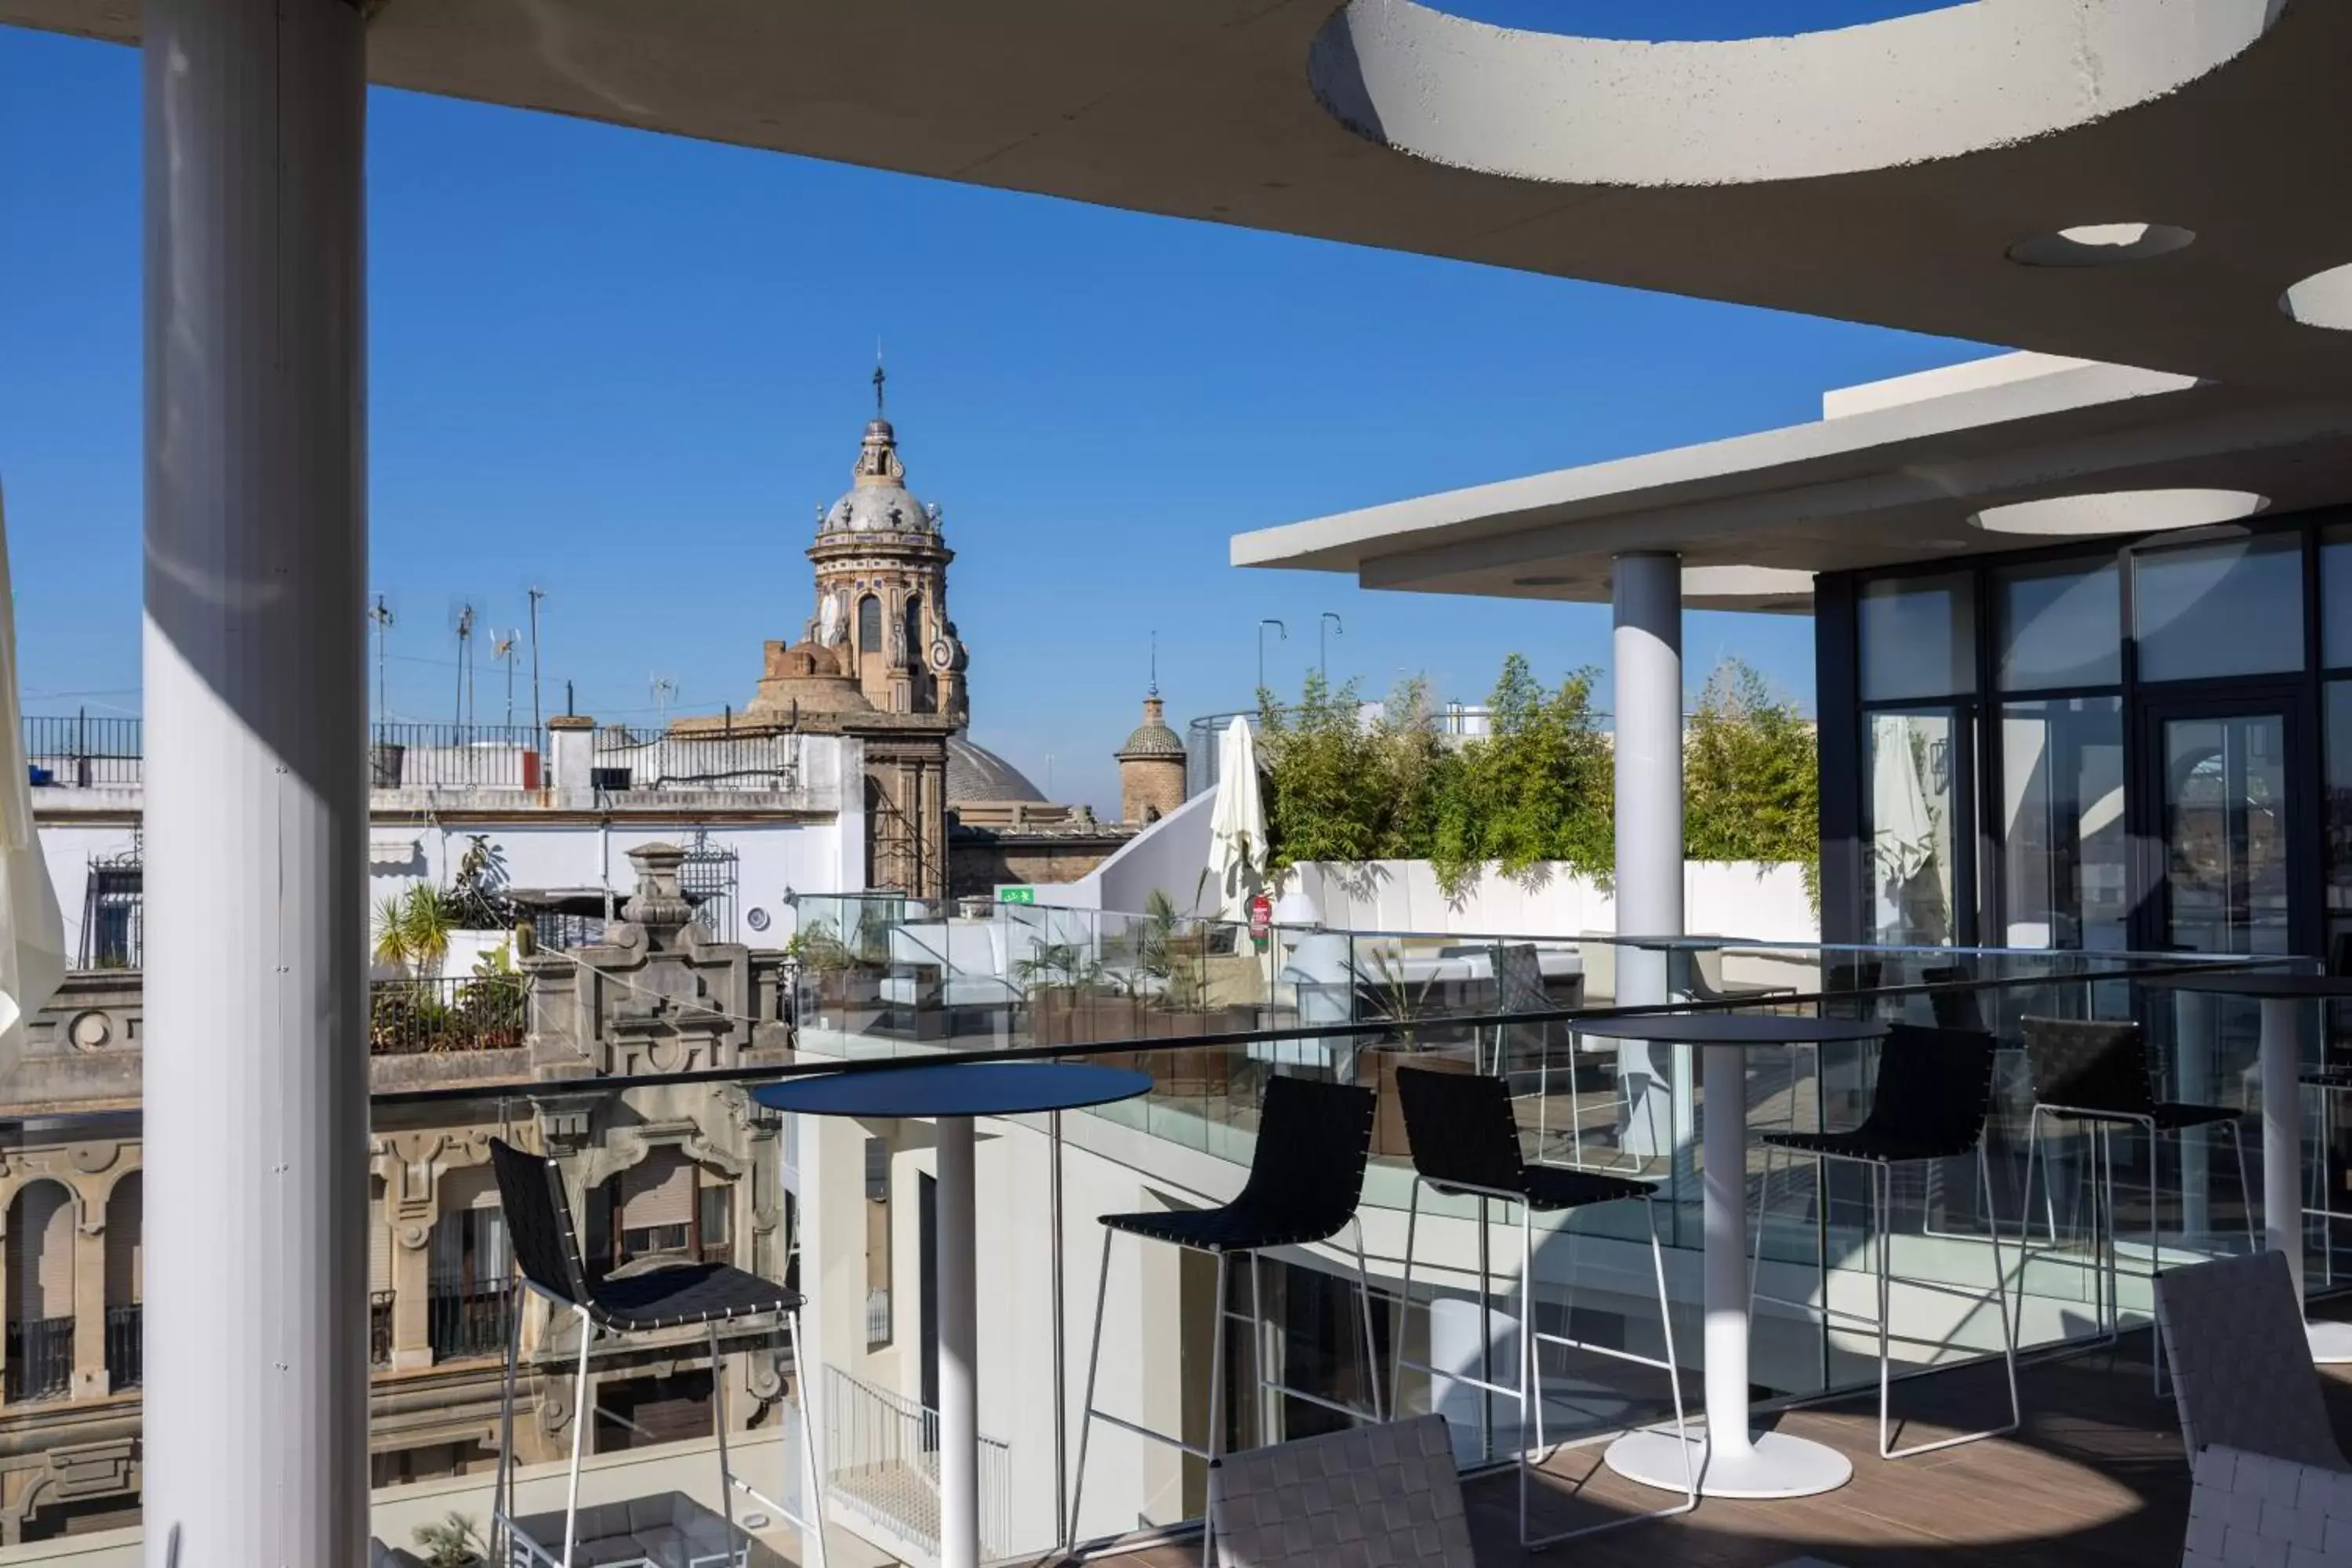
x=2282, y=1197
x=959, y=1349
x=1647, y=648
x=255, y=1103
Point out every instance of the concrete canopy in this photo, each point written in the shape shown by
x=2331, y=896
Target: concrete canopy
x=1897, y=471
x=1879, y=173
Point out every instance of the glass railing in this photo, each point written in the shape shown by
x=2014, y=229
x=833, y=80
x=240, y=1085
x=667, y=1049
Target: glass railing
x=663, y=1169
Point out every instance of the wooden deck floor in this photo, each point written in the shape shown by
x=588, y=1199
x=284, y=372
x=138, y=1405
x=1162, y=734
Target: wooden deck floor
x=2096, y=1478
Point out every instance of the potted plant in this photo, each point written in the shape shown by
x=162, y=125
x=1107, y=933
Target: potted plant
x=452, y=1542
x=1388, y=998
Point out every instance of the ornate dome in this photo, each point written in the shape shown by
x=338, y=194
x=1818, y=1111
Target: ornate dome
x=804, y=677
x=878, y=501
x=975, y=773
x=1152, y=738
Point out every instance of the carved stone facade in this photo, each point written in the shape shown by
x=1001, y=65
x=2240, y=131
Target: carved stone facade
x=657, y=998
x=882, y=587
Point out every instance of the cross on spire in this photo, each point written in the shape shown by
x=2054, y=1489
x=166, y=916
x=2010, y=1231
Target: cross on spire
x=880, y=375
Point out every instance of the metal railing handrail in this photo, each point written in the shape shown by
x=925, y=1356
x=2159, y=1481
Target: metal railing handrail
x=870, y=1429
x=2187, y=964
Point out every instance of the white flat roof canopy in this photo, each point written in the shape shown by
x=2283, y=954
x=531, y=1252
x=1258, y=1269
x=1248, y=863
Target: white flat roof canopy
x=1882, y=173
x=1897, y=471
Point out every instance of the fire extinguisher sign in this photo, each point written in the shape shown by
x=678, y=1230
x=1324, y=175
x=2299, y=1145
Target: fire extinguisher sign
x=1261, y=919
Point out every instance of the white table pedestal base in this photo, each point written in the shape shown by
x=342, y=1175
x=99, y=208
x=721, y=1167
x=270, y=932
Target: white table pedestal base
x=1775, y=1466
x=2331, y=1343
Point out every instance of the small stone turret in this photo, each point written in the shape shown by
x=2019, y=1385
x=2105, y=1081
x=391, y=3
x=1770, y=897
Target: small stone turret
x=1150, y=767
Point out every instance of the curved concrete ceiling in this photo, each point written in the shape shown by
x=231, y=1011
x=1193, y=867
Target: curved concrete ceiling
x=1899, y=472
x=1598, y=111
x=1205, y=109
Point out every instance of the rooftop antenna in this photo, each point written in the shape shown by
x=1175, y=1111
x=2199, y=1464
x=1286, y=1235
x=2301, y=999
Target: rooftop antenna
x=1330, y=622
x=502, y=649
x=381, y=615
x=664, y=690
x=465, y=663
x=536, y=594
x=1278, y=627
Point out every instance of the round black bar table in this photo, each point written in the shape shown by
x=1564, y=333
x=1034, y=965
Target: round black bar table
x=2281, y=995
x=1735, y=1461
x=953, y=1094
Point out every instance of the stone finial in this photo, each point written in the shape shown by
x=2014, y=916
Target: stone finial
x=658, y=905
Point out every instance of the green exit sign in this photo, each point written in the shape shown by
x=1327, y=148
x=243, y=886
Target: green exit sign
x=1016, y=895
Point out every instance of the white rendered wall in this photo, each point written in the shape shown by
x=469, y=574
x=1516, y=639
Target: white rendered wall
x=1738, y=899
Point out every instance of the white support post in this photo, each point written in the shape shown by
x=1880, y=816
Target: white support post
x=255, y=1443
x=1647, y=650
x=959, y=1348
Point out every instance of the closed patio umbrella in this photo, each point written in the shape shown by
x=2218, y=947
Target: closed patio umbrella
x=1237, y=826
x=32, y=931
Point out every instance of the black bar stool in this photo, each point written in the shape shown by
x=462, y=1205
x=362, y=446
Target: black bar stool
x=1306, y=1175
x=547, y=1248
x=1932, y=1096
x=1465, y=1138
x=2100, y=1072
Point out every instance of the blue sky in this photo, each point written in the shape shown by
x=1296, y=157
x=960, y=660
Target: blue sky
x=628, y=369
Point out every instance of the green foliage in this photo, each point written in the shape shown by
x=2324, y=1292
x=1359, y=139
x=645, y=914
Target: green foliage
x=1059, y=964
x=453, y=1543
x=1539, y=787
x=1752, y=775
x=816, y=946
x=412, y=929
x=1328, y=801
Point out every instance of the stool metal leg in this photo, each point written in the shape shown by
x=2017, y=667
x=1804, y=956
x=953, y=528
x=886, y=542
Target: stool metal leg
x=718, y=1423
x=1404, y=1300
x=579, y=1430
x=1364, y=1295
x=811, y=1466
x=1216, y=1416
x=1087, y=1421
x=1532, y=1385
x=502, y=1484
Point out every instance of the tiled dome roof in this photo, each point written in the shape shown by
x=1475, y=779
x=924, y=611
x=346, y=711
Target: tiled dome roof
x=975, y=773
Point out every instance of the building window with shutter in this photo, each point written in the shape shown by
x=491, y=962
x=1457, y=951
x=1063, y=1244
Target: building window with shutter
x=40, y=1322
x=870, y=625
x=111, y=913
x=877, y=1244
x=125, y=1283
x=467, y=1268
x=665, y=1204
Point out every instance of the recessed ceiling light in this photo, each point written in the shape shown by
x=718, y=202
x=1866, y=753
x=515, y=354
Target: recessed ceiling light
x=2121, y=512
x=2322, y=299
x=1542, y=582
x=2100, y=245
x=1746, y=582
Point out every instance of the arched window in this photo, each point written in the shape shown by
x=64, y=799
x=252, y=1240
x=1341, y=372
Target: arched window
x=465, y=1268
x=915, y=629
x=125, y=1280
x=870, y=625
x=40, y=1292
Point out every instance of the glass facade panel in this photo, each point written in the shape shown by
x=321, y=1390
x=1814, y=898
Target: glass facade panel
x=2060, y=626
x=1918, y=638
x=2336, y=805
x=2335, y=598
x=1913, y=769
x=2218, y=609
x=2225, y=833
x=2064, y=851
